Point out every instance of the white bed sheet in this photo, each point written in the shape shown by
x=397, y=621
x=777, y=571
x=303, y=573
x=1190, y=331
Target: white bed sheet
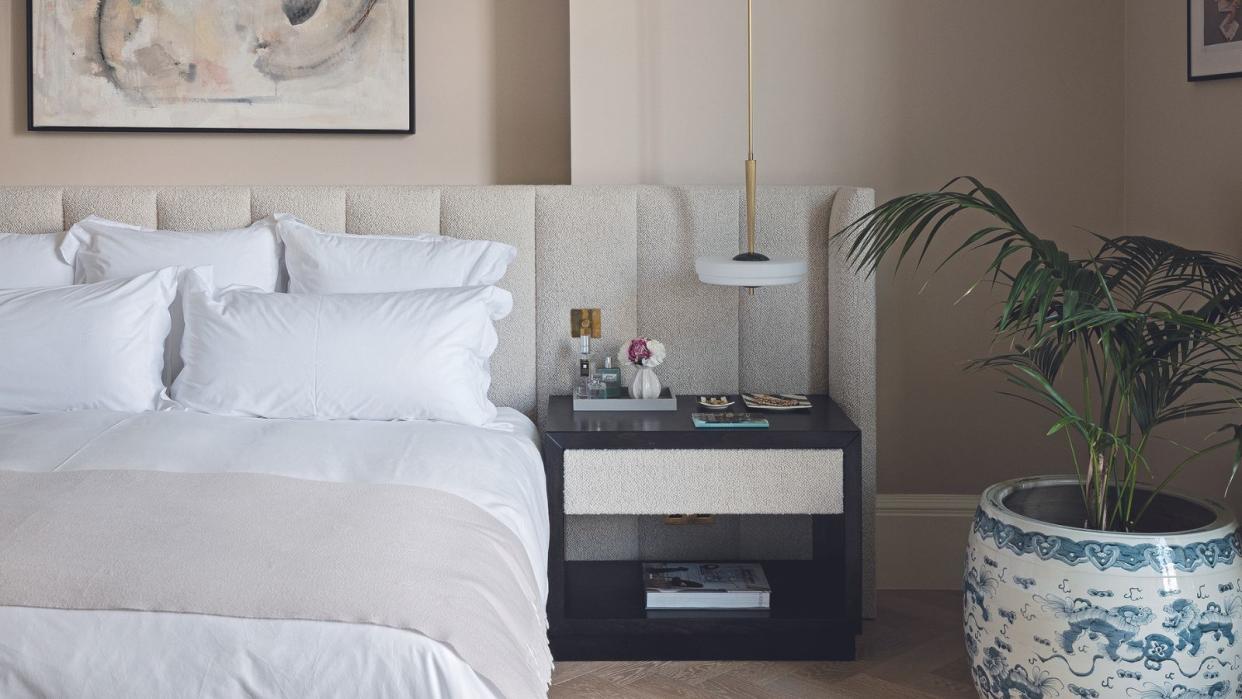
x=138, y=654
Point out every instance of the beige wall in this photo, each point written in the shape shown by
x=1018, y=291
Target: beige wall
x=1183, y=180
x=491, y=82
x=1183, y=174
x=894, y=94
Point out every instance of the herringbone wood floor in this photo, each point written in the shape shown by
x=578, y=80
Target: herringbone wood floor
x=913, y=650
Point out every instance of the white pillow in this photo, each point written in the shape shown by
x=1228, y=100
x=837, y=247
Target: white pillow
x=29, y=260
x=323, y=263
x=100, y=249
x=87, y=346
x=406, y=355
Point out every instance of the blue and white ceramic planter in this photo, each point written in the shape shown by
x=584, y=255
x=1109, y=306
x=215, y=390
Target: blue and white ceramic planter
x=1056, y=611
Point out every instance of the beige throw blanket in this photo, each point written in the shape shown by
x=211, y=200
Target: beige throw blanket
x=269, y=547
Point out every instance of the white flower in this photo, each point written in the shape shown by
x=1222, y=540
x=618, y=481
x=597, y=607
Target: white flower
x=658, y=353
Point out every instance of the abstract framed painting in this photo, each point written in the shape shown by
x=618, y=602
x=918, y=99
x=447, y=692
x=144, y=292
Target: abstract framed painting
x=319, y=66
x=1213, y=39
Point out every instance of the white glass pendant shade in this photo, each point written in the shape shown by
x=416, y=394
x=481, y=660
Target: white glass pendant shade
x=750, y=269
x=727, y=271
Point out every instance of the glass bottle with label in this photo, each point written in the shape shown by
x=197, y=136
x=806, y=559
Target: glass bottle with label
x=611, y=376
x=584, y=383
x=584, y=325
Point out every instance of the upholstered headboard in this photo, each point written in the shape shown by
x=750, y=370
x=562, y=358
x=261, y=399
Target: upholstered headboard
x=628, y=250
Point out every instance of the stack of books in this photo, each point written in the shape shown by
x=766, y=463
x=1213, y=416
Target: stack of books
x=706, y=586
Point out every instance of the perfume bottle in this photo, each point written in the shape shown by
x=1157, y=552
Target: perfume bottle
x=596, y=388
x=585, y=324
x=583, y=385
x=611, y=378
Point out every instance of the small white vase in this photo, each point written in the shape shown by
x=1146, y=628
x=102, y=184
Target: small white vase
x=646, y=384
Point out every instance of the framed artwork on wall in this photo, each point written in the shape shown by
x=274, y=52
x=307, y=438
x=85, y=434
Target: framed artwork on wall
x=320, y=66
x=1213, y=39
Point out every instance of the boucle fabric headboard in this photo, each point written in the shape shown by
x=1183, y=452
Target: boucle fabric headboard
x=628, y=250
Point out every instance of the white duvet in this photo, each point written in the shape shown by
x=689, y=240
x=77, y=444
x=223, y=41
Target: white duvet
x=61, y=653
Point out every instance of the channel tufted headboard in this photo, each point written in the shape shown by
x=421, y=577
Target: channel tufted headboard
x=628, y=250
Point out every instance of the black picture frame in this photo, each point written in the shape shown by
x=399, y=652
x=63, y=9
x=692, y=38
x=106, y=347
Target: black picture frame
x=30, y=123
x=1190, y=74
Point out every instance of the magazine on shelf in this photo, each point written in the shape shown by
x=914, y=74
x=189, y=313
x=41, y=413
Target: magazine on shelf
x=706, y=586
x=749, y=613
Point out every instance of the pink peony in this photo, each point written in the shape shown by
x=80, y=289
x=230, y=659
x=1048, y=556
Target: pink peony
x=642, y=351
x=638, y=350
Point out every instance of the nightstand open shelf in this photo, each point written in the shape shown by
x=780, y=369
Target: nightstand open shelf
x=597, y=608
x=605, y=615
x=614, y=590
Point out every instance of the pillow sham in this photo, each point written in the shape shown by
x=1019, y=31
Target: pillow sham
x=398, y=356
x=86, y=346
x=30, y=260
x=339, y=263
x=100, y=249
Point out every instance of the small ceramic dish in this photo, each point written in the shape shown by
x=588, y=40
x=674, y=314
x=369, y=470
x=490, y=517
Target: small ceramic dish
x=715, y=402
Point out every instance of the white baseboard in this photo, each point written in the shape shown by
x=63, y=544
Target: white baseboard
x=921, y=540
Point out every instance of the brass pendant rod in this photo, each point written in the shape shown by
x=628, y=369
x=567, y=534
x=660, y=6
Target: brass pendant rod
x=751, y=174
x=750, y=80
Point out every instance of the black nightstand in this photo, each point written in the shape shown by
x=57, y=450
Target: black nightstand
x=806, y=462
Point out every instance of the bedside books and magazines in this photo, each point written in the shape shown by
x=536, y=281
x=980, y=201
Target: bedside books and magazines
x=706, y=586
x=763, y=613
x=726, y=420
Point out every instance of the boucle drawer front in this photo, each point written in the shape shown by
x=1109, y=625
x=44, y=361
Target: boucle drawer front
x=718, y=481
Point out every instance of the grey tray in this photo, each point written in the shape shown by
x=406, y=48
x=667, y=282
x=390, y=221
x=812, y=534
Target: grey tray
x=666, y=402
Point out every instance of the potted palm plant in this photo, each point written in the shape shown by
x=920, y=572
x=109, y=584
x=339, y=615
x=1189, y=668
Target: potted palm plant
x=1106, y=582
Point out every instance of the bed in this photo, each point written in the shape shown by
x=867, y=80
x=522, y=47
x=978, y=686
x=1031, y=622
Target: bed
x=636, y=264
x=52, y=652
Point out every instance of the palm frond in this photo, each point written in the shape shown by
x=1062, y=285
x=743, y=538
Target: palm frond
x=1156, y=328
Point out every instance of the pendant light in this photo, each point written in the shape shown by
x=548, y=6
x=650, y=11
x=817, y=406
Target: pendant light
x=750, y=269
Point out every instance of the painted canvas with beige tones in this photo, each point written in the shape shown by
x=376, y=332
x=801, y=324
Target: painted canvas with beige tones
x=337, y=65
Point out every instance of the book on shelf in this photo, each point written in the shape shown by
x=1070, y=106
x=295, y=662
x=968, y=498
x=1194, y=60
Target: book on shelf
x=756, y=613
x=706, y=586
